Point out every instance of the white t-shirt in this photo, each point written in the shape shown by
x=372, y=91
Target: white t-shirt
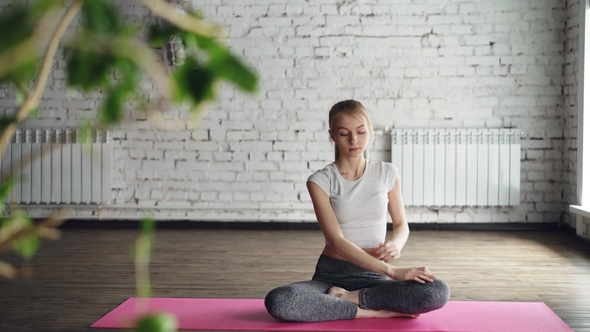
x=360, y=205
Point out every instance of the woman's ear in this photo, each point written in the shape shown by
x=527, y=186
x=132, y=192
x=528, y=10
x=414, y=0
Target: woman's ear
x=330, y=132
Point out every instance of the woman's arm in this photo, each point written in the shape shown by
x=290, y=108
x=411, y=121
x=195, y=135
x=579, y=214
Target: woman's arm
x=335, y=238
x=397, y=211
x=392, y=249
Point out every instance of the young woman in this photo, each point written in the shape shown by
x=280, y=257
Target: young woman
x=353, y=278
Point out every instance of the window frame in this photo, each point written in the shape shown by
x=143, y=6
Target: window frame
x=582, y=209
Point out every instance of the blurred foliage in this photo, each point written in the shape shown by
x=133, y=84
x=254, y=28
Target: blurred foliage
x=25, y=245
x=101, y=65
x=105, y=54
x=20, y=233
x=95, y=60
x=196, y=78
x=157, y=322
x=144, y=246
x=101, y=17
x=108, y=55
x=16, y=27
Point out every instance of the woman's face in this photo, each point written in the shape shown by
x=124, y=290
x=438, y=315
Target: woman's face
x=351, y=135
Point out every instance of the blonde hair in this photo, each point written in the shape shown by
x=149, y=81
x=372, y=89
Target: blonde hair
x=351, y=107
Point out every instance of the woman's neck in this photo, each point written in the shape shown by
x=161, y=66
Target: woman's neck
x=351, y=169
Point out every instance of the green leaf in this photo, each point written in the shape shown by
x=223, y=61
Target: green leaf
x=129, y=73
x=158, y=322
x=5, y=189
x=158, y=36
x=20, y=73
x=225, y=65
x=232, y=69
x=6, y=121
x=17, y=23
x=195, y=83
x=209, y=45
x=88, y=70
x=190, y=40
x=39, y=8
x=15, y=26
x=112, y=107
x=26, y=246
x=101, y=17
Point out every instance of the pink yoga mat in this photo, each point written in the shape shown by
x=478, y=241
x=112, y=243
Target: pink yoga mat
x=250, y=314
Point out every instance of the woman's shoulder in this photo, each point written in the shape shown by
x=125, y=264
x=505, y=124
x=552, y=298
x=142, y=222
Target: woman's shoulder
x=385, y=172
x=323, y=177
x=322, y=174
x=382, y=166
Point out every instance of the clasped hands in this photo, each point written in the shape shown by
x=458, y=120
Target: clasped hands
x=389, y=252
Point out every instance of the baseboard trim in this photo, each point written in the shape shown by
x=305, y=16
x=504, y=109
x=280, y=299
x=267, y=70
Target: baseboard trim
x=190, y=224
x=258, y=225
x=496, y=226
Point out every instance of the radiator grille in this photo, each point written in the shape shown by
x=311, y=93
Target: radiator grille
x=65, y=166
x=458, y=167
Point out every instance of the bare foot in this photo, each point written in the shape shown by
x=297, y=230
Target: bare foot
x=363, y=313
x=344, y=294
x=336, y=291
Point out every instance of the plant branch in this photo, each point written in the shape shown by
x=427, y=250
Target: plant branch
x=7, y=270
x=45, y=229
x=178, y=17
x=32, y=99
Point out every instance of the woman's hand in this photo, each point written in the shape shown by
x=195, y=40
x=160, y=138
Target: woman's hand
x=387, y=252
x=419, y=274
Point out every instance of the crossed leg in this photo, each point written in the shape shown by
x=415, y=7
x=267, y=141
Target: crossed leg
x=315, y=300
x=405, y=297
x=365, y=313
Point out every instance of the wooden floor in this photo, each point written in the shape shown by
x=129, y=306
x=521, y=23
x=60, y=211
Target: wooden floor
x=76, y=280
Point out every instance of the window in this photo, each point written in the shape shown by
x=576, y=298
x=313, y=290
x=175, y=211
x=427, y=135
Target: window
x=583, y=137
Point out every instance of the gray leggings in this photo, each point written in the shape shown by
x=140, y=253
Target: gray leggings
x=307, y=301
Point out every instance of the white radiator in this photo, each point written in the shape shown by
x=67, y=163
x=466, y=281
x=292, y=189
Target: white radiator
x=54, y=166
x=458, y=167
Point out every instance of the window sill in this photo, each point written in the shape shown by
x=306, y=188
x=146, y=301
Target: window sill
x=583, y=211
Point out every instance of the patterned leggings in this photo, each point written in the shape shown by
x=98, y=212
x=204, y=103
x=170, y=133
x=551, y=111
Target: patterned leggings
x=307, y=301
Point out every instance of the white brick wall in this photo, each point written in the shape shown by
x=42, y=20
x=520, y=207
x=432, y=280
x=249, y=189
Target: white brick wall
x=503, y=63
